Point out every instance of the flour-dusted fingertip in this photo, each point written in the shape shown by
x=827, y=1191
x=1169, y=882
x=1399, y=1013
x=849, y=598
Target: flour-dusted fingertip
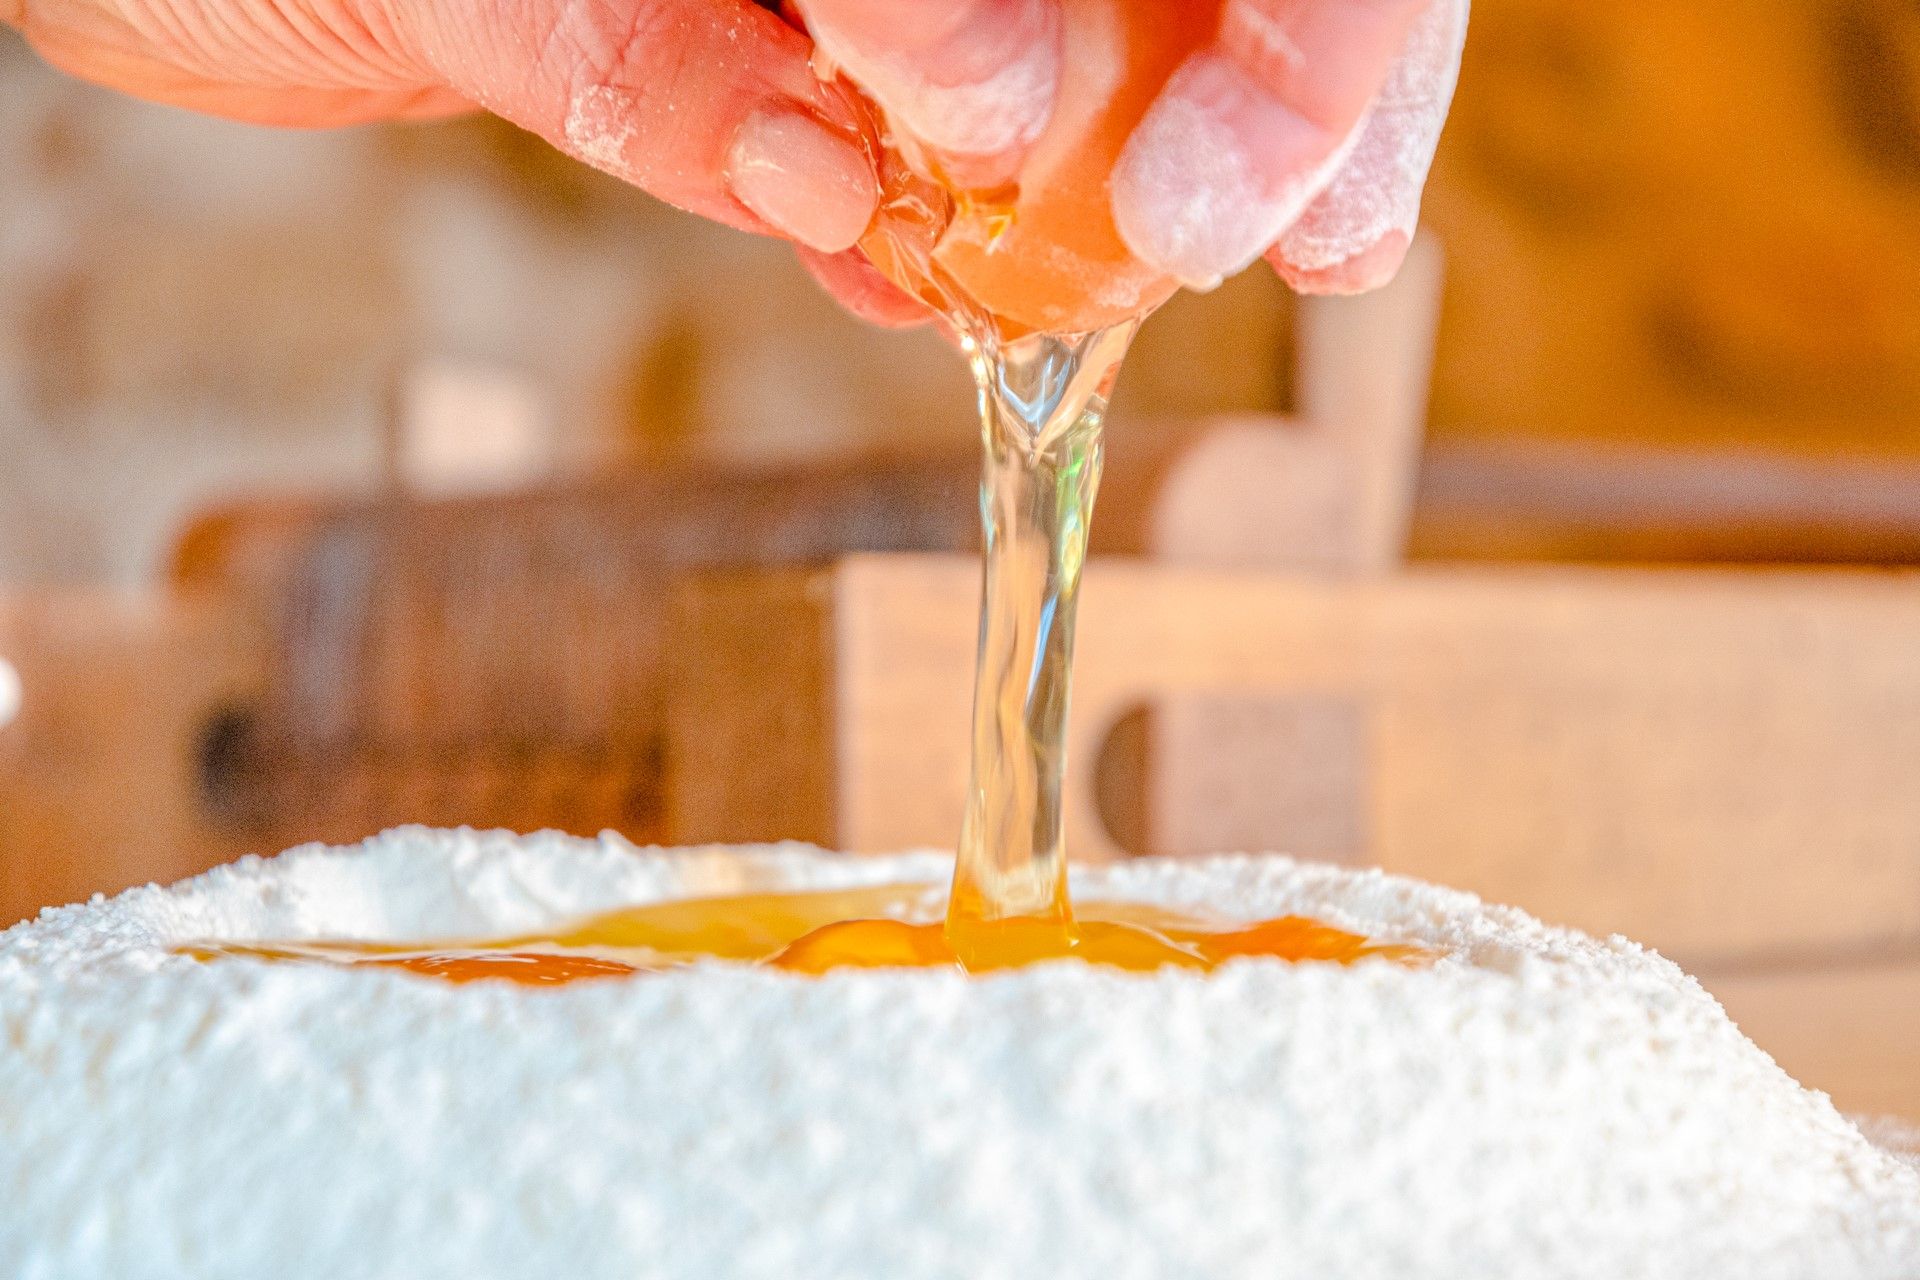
x=1353, y=236
x=1214, y=173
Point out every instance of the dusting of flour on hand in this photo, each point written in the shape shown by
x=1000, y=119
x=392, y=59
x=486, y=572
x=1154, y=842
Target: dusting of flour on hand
x=600, y=127
x=1185, y=190
x=1377, y=187
x=1537, y=1104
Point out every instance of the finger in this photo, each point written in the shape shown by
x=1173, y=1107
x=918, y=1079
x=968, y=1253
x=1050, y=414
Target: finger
x=711, y=105
x=1355, y=234
x=971, y=80
x=857, y=285
x=297, y=108
x=244, y=63
x=1250, y=129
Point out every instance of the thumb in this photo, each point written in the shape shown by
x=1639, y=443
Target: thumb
x=972, y=80
x=710, y=105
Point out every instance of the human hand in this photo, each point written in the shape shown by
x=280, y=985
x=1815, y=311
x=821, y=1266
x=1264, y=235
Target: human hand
x=1303, y=132
x=708, y=104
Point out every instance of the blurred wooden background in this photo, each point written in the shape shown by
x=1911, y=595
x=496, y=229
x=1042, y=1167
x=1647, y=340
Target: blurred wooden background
x=1682, y=238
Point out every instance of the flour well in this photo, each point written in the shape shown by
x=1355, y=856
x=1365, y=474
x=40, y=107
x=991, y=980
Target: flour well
x=1539, y=1104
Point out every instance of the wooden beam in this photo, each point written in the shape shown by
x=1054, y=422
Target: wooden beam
x=1719, y=763
x=1852, y=1029
x=104, y=775
x=1329, y=489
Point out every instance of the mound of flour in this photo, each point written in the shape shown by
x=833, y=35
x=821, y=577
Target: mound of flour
x=1540, y=1104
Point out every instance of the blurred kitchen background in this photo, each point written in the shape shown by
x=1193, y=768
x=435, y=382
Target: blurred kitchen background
x=421, y=474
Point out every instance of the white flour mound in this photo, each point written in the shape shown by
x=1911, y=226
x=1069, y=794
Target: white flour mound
x=1541, y=1105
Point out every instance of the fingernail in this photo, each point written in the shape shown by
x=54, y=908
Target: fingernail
x=809, y=182
x=1215, y=172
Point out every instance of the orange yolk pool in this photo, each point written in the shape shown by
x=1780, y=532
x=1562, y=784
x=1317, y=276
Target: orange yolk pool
x=816, y=933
